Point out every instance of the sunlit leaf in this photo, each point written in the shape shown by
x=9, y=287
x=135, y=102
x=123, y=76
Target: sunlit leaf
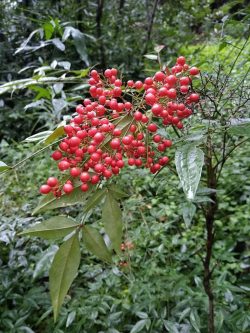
x=189, y=161
x=139, y=326
x=151, y=56
x=70, y=318
x=3, y=166
x=58, y=44
x=59, y=131
x=48, y=29
x=159, y=48
x=188, y=211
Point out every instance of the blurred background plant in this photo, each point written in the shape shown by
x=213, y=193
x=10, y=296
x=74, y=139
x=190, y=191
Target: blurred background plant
x=46, y=48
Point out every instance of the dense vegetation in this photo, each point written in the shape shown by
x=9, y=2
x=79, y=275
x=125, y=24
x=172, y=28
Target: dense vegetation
x=47, y=48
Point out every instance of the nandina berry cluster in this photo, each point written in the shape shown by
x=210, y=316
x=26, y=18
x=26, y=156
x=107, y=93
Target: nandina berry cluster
x=118, y=124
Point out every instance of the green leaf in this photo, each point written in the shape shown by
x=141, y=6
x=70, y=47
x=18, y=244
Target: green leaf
x=188, y=211
x=151, y=56
x=59, y=131
x=3, y=166
x=51, y=202
x=95, y=243
x=117, y=191
x=94, y=200
x=139, y=326
x=170, y=326
x=243, y=129
x=194, y=319
x=63, y=271
x=54, y=228
x=48, y=29
x=112, y=220
x=189, y=161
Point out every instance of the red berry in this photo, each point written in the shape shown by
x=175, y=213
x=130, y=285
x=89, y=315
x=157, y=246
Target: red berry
x=181, y=60
x=126, y=140
x=75, y=172
x=108, y=73
x=68, y=188
x=184, y=89
x=45, y=189
x=95, y=179
x=63, y=165
x=138, y=115
x=130, y=83
x=115, y=143
x=171, y=79
x=52, y=181
x=159, y=76
x=152, y=128
x=85, y=177
x=157, y=138
x=172, y=93
x=84, y=187
x=138, y=85
x=194, y=98
x=74, y=141
x=157, y=109
x=194, y=71
x=150, y=99
x=184, y=81
x=57, y=155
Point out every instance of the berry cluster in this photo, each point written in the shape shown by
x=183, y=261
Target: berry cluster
x=119, y=124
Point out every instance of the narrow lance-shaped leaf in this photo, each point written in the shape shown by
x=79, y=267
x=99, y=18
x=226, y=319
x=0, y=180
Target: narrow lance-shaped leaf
x=95, y=243
x=38, y=136
x=54, y=228
x=117, y=191
x=112, y=220
x=188, y=210
x=63, y=271
x=59, y=131
x=189, y=161
x=94, y=199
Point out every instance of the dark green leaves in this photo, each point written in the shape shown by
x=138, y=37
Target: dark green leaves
x=241, y=129
x=189, y=161
x=63, y=271
x=112, y=220
x=95, y=243
x=54, y=228
x=95, y=199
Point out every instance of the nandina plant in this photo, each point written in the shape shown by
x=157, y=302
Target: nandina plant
x=117, y=125
x=121, y=126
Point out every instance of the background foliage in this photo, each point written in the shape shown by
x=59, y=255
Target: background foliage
x=163, y=290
